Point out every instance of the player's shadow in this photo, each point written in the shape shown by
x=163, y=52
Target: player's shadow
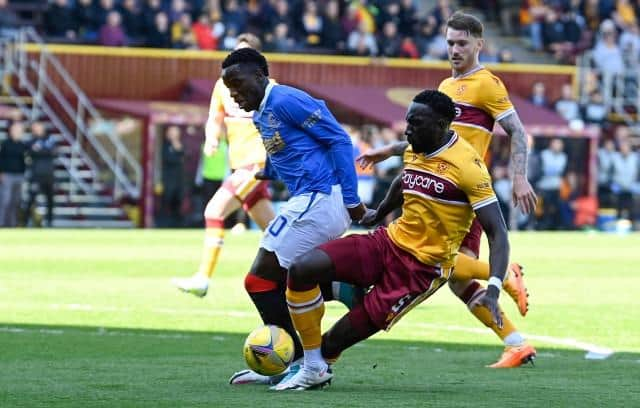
x=90, y=366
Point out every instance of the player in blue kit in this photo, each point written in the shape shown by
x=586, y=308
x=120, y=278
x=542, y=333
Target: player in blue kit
x=310, y=152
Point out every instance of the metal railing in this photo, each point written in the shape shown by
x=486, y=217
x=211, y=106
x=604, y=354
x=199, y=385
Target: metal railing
x=42, y=75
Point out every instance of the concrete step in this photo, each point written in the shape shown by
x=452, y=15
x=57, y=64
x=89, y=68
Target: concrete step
x=76, y=199
x=100, y=212
x=63, y=223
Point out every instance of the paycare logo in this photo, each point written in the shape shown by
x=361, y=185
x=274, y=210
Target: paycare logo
x=422, y=182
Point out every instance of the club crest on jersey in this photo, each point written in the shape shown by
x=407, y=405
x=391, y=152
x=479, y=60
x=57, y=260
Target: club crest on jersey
x=274, y=144
x=461, y=90
x=272, y=121
x=442, y=167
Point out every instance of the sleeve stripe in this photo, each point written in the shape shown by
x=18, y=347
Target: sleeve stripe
x=485, y=202
x=505, y=114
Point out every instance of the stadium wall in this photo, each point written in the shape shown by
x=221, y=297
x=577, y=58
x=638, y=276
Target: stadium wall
x=136, y=73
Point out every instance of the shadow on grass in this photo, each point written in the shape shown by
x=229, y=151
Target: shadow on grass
x=93, y=366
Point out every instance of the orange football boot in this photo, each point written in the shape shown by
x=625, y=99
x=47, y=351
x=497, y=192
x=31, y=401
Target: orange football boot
x=514, y=286
x=515, y=356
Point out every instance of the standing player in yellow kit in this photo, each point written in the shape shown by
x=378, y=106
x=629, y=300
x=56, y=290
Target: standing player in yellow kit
x=241, y=189
x=481, y=99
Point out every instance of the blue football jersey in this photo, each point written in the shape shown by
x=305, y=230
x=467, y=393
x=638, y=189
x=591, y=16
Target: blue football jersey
x=307, y=148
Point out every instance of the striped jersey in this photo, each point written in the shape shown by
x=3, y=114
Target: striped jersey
x=441, y=191
x=480, y=99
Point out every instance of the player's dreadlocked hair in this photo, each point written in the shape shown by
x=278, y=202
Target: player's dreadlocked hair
x=439, y=102
x=247, y=56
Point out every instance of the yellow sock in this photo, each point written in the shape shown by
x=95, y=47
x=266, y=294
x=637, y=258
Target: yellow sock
x=307, y=309
x=484, y=315
x=213, y=241
x=468, y=268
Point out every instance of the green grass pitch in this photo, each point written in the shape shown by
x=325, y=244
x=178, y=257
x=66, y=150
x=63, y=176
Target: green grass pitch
x=88, y=318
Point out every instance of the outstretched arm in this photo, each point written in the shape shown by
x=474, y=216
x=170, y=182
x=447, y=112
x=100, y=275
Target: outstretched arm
x=523, y=194
x=391, y=201
x=490, y=217
x=373, y=156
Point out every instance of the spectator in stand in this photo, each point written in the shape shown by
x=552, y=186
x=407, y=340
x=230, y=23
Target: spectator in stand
x=9, y=20
x=539, y=95
x=505, y=56
x=172, y=176
x=567, y=106
x=111, y=34
x=281, y=14
x=258, y=14
x=624, y=14
x=553, y=164
x=280, y=40
x=625, y=176
x=234, y=18
x=149, y=12
x=86, y=20
x=182, y=35
x=408, y=18
x=488, y=54
x=442, y=11
x=509, y=13
x=58, y=20
x=311, y=24
x=132, y=21
x=595, y=111
x=390, y=42
x=606, y=152
x=42, y=154
x=630, y=45
x=102, y=12
x=203, y=33
x=438, y=46
x=12, y=168
x=427, y=31
x=390, y=12
x=333, y=35
x=361, y=42
x=177, y=9
x=607, y=56
x=532, y=16
x=569, y=193
x=408, y=49
x=160, y=36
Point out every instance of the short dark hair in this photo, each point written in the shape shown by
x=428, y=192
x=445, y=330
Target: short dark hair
x=253, y=41
x=438, y=102
x=247, y=56
x=466, y=22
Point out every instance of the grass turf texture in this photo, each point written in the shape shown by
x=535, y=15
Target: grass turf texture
x=88, y=318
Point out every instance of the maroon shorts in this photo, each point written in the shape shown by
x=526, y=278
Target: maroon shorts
x=245, y=187
x=473, y=237
x=400, y=280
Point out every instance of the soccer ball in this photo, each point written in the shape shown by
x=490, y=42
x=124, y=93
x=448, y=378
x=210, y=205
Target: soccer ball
x=268, y=350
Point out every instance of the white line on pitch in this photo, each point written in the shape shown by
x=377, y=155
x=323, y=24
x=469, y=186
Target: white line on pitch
x=594, y=351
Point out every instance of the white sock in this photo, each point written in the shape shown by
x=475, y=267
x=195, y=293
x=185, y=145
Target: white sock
x=514, y=339
x=313, y=357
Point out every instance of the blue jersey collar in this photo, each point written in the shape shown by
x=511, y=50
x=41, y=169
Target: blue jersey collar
x=267, y=91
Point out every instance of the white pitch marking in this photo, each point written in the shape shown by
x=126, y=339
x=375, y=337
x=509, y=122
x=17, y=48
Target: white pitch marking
x=593, y=351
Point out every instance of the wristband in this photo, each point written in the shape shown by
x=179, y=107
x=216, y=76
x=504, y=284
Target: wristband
x=493, y=281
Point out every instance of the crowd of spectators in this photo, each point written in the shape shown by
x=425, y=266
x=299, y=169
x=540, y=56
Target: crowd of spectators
x=567, y=28
x=385, y=28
